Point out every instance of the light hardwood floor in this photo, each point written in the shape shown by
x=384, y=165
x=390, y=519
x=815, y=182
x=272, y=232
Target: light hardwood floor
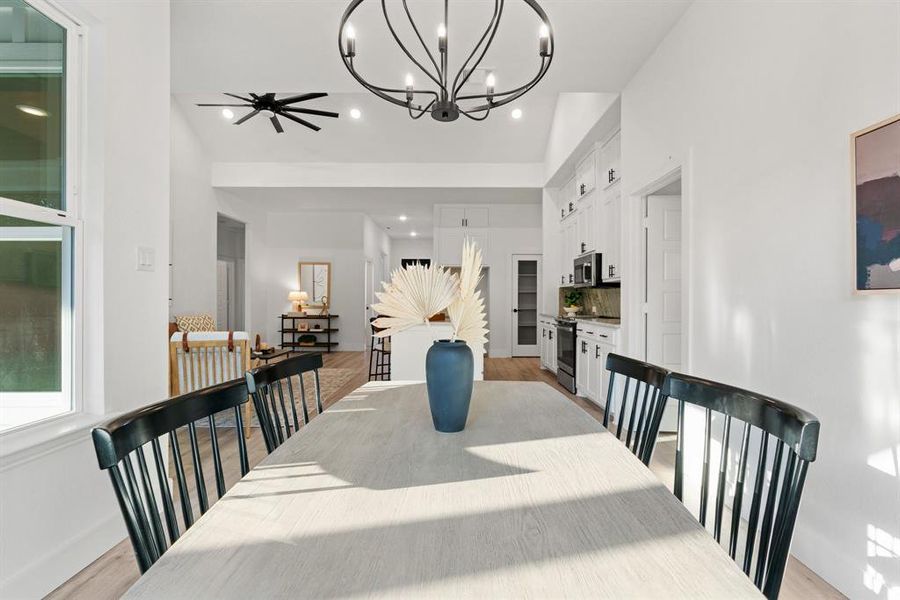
x=114, y=572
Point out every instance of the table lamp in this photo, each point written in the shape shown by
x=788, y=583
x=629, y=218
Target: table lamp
x=298, y=297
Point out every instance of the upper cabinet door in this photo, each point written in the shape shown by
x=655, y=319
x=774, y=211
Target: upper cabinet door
x=586, y=175
x=477, y=216
x=452, y=216
x=610, y=159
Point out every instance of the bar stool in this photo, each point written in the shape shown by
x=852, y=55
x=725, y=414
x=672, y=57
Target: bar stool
x=380, y=356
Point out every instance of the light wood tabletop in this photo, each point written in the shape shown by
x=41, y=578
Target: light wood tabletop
x=534, y=499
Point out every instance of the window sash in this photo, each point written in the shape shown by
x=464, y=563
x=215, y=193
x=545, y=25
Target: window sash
x=72, y=375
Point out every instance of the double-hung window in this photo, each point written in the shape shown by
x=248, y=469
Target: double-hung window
x=40, y=258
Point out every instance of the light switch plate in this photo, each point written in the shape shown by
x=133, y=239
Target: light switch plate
x=146, y=258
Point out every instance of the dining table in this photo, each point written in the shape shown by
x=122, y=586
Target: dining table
x=533, y=499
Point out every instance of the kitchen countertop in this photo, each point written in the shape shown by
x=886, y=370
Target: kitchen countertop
x=601, y=321
x=609, y=322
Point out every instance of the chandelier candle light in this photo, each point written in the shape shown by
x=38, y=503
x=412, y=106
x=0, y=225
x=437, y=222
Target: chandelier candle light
x=444, y=100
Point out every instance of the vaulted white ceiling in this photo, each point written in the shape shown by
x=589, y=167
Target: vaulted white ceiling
x=291, y=47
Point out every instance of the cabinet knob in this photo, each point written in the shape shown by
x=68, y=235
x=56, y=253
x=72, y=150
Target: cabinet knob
x=597, y=351
x=550, y=333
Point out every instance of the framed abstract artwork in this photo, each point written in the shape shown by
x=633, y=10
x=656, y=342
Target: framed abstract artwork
x=876, y=191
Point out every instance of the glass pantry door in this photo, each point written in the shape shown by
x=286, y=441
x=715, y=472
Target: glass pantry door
x=526, y=291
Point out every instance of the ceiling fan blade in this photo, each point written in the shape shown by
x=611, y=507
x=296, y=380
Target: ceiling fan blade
x=310, y=111
x=301, y=121
x=238, y=97
x=254, y=96
x=249, y=115
x=302, y=98
x=269, y=96
x=225, y=105
x=277, y=124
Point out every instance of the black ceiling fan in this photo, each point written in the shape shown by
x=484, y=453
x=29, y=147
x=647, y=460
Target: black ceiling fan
x=271, y=107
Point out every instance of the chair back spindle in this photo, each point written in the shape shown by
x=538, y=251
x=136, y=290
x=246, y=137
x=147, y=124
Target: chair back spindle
x=642, y=385
x=199, y=359
x=126, y=441
x=266, y=385
x=777, y=482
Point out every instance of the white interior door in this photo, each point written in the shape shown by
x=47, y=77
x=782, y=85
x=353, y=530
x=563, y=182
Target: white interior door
x=224, y=294
x=526, y=269
x=369, y=299
x=663, y=324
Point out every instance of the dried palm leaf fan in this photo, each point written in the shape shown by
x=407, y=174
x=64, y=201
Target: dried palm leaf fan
x=273, y=108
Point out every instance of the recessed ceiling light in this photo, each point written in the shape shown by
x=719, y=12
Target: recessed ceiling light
x=403, y=217
x=413, y=234
x=517, y=113
x=354, y=113
x=228, y=113
x=32, y=110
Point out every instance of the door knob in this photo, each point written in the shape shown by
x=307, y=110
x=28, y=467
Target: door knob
x=515, y=310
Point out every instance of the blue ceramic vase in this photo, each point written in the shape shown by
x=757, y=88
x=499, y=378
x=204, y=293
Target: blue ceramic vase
x=449, y=371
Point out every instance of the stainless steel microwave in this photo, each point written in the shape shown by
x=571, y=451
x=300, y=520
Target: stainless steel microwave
x=587, y=270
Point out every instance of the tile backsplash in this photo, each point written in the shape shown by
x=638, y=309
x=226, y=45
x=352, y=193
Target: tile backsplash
x=602, y=302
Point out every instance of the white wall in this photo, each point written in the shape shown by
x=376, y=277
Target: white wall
x=318, y=237
x=756, y=101
x=58, y=509
x=410, y=248
x=574, y=116
x=194, y=209
x=376, y=248
x=195, y=206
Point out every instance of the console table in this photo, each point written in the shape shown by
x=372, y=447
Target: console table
x=289, y=333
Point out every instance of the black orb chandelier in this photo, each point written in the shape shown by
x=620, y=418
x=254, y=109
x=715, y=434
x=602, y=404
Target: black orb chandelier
x=444, y=98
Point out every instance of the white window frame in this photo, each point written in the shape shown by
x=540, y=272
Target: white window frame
x=70, y=217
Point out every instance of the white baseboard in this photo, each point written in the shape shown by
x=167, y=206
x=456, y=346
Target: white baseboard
x=44, y=575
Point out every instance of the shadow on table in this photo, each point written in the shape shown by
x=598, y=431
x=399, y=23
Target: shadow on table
x=391, y=557
x=367, y=442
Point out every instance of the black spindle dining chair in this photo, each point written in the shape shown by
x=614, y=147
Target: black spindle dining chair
x=120, y=445
x=640, y=435
x=773, y=504
x=265, y=382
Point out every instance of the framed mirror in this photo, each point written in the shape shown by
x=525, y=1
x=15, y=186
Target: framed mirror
x=314, y=278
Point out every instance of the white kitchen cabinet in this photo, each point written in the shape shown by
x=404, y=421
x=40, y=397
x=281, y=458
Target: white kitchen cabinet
x=477, y=216
x=568, y=198
x=595, y=376
x=609, y=243
x=548, y=344
x=594, y=343
x=586, y=219
x=463, y=216
x=586, y=175
x=449, y=243
x=553, y=347
x=568, y=250
x=584, y=363
x=610, y=161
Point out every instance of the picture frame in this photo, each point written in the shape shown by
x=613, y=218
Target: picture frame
x=875, y=189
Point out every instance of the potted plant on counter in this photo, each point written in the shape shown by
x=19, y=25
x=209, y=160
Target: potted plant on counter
x=413, y=296
x=571, y=300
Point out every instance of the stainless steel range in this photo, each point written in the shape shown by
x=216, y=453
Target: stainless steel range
x=565, y=352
